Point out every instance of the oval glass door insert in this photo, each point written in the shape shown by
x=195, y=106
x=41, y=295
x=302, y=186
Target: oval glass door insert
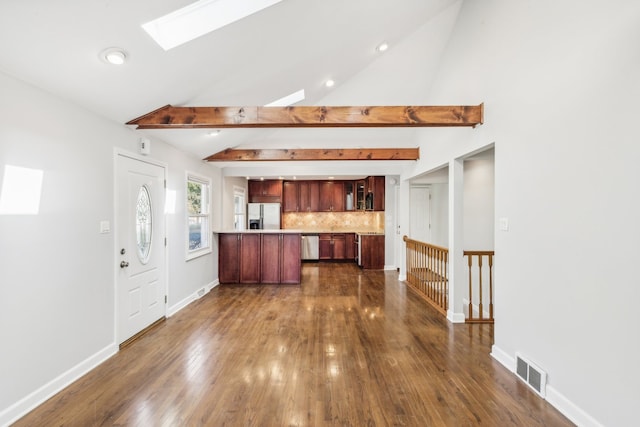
x=144, y=225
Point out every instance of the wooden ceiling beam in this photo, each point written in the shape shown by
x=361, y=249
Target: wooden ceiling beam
x=231, y=155
x=170, y=117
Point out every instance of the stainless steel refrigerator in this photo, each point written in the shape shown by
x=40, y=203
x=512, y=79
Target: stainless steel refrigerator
x=263, y=216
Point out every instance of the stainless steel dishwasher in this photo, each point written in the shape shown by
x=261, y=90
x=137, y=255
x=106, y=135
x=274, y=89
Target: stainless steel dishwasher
x=310, y=247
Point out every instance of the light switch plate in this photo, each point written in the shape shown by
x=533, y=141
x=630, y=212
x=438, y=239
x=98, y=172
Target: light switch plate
x=105, y=227
x=504, y=224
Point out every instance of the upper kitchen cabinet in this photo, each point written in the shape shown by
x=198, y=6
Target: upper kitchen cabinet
x=374, y=199
x=331, y=196
x=300, y=196
x=290, y=196
x=268, y=191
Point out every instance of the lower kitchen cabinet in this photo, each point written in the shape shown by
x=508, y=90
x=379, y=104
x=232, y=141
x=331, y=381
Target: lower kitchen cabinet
x=332, y=246
x=280, y=258
x=371, y=252
x=259, y=258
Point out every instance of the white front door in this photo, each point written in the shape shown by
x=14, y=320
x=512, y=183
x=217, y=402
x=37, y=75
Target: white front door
x=140, y=242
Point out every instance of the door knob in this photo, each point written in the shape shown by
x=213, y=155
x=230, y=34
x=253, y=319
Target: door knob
x=124, y=264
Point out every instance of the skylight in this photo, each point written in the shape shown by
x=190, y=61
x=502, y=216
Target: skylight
x=288, y=100
x=200, y=18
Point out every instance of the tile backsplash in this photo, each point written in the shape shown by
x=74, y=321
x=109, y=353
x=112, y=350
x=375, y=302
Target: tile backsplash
x=334, y=221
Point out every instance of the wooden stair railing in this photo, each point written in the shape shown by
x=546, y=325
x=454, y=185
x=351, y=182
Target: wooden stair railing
x=480, y=317
x=427, y=272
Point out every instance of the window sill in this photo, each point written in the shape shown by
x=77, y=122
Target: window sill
x=197, y=254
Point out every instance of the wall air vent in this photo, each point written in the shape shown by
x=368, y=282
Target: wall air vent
x=532, y=375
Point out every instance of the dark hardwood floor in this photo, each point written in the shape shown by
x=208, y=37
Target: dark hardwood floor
x=346, y=348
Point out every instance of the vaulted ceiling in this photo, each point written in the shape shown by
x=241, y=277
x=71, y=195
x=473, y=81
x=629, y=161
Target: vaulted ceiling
x=292, y=45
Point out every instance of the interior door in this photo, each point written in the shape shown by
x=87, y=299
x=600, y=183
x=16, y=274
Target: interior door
x=140, y=242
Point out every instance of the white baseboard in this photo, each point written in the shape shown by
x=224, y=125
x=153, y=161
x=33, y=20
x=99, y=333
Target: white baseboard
x=31, y=401
x=567, y=408
x=191, y=298
x=455, y=317
x=570, y=410
x=390, y=267
x=504, y=358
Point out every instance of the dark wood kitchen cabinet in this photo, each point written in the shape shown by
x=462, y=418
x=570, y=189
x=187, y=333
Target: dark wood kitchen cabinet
x=237, y=255
x=332, y=246
x=372, y=252
x=350, y=246
x=331, y=196
x=290, y=196
x=280, y=258
x=267, y=191
x=259, y=257
x=229, y=258
x=300, y=196
x=309, y=192
x=375, y=186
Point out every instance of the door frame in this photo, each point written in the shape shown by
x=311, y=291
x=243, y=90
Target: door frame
x=117, y=152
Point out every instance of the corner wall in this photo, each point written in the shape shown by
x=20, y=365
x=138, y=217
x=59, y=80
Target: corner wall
x=56, y=268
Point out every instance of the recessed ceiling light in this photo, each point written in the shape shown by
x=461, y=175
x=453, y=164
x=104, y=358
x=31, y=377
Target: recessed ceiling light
x=382, y=47
x=199, y=18
x=331, y=177
x=214, y=132
x=329, y=83
x=287, y=100
x=114, y=55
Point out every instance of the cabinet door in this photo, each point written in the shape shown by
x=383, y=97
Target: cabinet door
x=361, y=192
x=250, y=258
x=228, y=258
x=350, y=246
x=372, y=252
x=314, y=196
x=326, y=196
x=290, y=259
x=338, y=197
x=378, y=193
x=270, y=258
x=303, y=196
x=290, y=197
x=325, y=247
x=339, y=246
x=272, y=188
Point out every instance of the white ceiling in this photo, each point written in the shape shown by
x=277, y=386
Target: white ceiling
x=296, y=44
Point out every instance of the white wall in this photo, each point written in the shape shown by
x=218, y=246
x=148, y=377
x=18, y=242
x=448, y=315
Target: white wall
x=56, y=269
x=479, y=204
x=559, y=82
x=440, y=214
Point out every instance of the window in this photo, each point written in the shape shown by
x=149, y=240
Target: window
x=198, y=219
x=238, y=209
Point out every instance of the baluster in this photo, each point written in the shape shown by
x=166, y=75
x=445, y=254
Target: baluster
x=480, y=280
x=490, y=286
x=470, y=263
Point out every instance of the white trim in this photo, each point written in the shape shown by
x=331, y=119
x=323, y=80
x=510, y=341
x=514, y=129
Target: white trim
x=504, y=358
x=455, y=317
x=567, y=408
x=570, y=409
x=36, y=398
x=204, y=180
x=402, y=277
x=390, y=267
x=191, y=298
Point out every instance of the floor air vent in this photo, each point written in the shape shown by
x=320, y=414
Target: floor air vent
x=535, y=377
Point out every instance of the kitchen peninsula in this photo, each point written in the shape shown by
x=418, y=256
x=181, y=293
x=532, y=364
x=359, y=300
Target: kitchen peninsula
x=259, y=256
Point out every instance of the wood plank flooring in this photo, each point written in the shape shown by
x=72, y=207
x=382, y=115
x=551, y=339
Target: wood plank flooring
x=345, y=348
